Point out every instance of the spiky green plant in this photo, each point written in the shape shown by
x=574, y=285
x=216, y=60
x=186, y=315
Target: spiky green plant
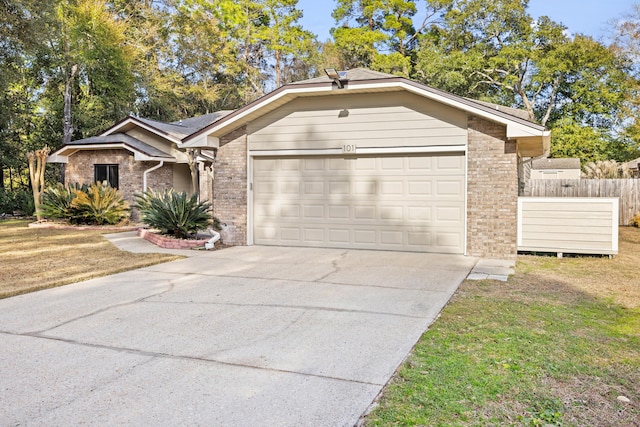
x=100, y=204
x=56, y=202
x=173, y=213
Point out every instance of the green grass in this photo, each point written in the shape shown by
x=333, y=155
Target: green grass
x=538, y=350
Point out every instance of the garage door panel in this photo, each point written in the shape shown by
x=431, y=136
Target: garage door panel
x=364, y=212
x=290, y=211
x=393, y=164
x=288, y=234
x=449, y=163
x=418, y=188
x=420, y=164
x=365, y=164
x=314, y=211
x=368, y=187
x=337, y=212
x=314, y=188
x=393, y=187
x=290, y=187
x=312, y=165
x=340, y=236
x=413, y=203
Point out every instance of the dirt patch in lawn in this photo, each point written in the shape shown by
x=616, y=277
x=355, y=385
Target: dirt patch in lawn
x=40, y=258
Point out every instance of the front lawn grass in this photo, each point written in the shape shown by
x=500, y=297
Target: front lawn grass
x=35, y=258
x=556, y=345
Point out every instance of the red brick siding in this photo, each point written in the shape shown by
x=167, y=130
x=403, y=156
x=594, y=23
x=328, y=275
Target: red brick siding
x=230, y=187
x=492, y=191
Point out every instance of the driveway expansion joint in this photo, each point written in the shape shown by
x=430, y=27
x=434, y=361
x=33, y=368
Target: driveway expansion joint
x=160, y=355
x=295, y=307
x=171, y=286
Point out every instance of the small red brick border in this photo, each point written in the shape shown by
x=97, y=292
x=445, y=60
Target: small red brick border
x=169, y=242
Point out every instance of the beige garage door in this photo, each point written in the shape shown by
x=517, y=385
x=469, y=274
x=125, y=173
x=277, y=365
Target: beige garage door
x=409, y=203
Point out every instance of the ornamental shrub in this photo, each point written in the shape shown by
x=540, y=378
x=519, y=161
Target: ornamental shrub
x=19, y=200
x=173, y=213
x=56, y=203
x=100, y=204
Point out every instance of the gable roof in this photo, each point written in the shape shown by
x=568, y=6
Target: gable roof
x=141, y=150
x=533, y=139
x=552, y=164
x=356, y=74
x=174, y=131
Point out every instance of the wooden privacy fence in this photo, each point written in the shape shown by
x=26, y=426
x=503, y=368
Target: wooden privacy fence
x=627, y=190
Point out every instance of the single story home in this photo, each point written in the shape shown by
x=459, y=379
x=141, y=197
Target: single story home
x=362, y=160
x=562, y=168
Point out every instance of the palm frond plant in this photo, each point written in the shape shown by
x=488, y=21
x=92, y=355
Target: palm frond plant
x=100, y=204
x=173, y=213
x=56, y=202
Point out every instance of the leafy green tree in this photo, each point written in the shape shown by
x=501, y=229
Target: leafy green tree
x=498, y=52
x=380, y=34
x=93, y=66
x=284, y=40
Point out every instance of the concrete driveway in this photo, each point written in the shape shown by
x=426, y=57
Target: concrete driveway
x=239, y=337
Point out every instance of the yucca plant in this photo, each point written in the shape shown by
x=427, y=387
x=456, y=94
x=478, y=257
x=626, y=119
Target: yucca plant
x=100, y=204
x=173, y=213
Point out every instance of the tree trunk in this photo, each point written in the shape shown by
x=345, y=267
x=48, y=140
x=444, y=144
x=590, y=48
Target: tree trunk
x=67, y=122
x=1, y=173
x=192, y=158
x=278, y=73
x=37, y=163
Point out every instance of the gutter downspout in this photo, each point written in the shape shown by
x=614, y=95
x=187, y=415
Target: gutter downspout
x=216, y=236
x=151, y=169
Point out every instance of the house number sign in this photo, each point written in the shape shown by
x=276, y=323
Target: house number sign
x=349, y=148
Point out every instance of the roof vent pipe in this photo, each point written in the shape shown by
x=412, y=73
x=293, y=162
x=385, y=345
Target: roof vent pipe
x=151, y=169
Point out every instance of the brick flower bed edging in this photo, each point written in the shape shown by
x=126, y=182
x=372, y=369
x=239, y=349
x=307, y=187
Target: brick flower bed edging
x=169, y=242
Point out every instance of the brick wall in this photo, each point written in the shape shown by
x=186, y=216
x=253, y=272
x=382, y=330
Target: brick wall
x=230, y=187
x=130, y=173
x=492, y=191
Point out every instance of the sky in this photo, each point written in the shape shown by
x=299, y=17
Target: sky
x=590, y=17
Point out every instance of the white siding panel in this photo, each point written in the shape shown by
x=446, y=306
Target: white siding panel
x=574, y=225
x=366, y=120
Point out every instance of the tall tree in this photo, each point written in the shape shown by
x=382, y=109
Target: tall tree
x=381, y=34
x=284, y=40
x=498, y=52
x=92, y=67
